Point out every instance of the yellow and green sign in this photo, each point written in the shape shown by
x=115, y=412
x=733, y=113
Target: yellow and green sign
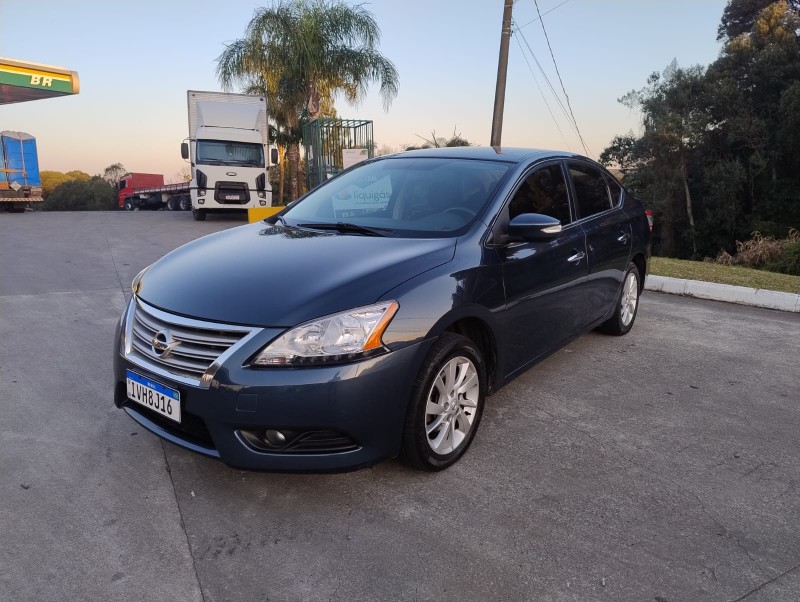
x=21, y=81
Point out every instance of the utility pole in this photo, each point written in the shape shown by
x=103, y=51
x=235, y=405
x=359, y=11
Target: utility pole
x=502, y=69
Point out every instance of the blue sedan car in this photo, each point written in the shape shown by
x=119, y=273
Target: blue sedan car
x=373, y=317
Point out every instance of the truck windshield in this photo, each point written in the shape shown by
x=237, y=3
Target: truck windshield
x=217, y=152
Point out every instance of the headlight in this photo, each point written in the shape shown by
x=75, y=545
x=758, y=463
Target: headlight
x=348, y=335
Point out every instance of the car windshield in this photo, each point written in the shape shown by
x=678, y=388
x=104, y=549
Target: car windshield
x=216, y=152
x=402, y=196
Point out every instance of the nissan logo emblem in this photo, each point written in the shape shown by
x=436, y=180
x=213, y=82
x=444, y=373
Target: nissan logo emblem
x=163, y=343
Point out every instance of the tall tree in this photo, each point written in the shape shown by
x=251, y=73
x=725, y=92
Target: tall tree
x=674, y=124
x=113, y=173
x=718, y=155
x=300, y=54
x=752, y=81
x=740, y=15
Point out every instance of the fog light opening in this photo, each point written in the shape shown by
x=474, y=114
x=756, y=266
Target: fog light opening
x=274, y=437
x=263, y=203
x=201, y=201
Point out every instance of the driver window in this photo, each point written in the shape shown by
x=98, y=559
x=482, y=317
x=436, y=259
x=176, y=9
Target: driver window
x=544, y=192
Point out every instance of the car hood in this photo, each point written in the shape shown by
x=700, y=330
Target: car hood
x=267, y=275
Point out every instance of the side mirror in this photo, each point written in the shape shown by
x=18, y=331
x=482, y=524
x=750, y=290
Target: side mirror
x=274, y=156
x=534, y=226
x=184, y=150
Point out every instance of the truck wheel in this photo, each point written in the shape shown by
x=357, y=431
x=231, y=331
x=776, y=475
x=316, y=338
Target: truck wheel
x=199, y=215
x=171, y=204
x=129, y=206
x=186, y=203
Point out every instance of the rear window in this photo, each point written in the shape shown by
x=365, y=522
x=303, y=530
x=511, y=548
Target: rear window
x=615, y=189
x=591, y=191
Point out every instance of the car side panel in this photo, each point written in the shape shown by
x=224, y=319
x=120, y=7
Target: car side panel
x=608, y=240
x=640, y=230
x=470, y=286
x=545, y=294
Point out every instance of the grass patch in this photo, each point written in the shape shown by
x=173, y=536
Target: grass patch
x=724, y=274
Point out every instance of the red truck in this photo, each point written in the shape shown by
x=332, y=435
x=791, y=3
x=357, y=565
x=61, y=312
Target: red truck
x=148, y=191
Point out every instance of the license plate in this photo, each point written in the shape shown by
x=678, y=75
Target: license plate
x=153, y=395
x=232, y=197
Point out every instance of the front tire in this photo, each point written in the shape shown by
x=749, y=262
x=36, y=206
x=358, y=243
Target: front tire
x=446, y=404
x=199, y=215
x=626, y=306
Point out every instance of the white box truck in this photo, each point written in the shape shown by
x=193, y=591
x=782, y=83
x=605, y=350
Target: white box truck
x=228, y=150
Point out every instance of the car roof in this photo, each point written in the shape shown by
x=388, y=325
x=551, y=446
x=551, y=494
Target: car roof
x=506, y=154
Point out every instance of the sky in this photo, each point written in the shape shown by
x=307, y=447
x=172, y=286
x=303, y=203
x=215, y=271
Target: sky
x=136, y=60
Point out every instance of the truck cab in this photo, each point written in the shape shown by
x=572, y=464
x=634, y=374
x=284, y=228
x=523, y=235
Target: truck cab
x=227, y=149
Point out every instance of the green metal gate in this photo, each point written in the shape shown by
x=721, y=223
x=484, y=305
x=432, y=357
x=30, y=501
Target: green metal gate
x=332, y=145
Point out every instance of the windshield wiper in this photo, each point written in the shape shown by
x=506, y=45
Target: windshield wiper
x=346, y=227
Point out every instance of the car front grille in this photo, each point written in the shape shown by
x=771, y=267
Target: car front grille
x=196, y=348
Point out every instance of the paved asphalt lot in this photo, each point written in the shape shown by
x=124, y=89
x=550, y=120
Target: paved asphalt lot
x=661, y=466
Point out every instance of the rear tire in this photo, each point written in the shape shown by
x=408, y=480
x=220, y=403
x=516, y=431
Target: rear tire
x=199, y=215
x=626, y=305
x=446, y=404
x=185, y=203
x=171, y=204
x=129, y=206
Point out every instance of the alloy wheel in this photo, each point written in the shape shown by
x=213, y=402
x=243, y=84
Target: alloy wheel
x=452, y=405
x=630, y=298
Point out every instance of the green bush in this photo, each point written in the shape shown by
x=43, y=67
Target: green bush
x=94, y=194
x=789, y=261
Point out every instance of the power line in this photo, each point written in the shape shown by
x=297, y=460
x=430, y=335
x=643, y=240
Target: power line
x=544, y=98
x=549, y=83
x=583, y=143
x=543, y=14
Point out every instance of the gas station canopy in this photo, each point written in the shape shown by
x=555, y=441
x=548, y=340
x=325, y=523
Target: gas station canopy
x=21, y=81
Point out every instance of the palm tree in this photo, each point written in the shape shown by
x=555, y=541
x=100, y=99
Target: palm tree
x=300, y=53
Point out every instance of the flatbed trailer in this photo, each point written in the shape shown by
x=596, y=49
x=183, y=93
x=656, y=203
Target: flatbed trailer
x=148, y=191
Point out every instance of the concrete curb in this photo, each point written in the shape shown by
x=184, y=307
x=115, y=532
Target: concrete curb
x=742, y=295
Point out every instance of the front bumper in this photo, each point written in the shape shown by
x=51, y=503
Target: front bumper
x=364, y=403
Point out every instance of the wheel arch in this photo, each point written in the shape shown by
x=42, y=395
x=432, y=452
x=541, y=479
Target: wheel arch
x=641, y=263
x=481, y=334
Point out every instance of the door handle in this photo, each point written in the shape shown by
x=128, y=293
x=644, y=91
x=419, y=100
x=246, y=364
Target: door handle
x=577, y=257
x=623, y=238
